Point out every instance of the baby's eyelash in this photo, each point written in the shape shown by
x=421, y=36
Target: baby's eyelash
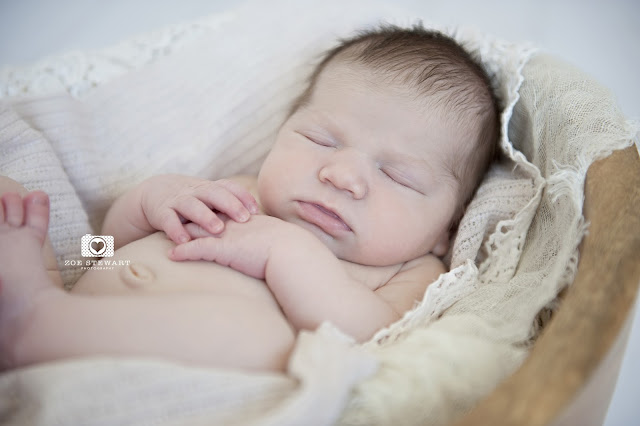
x=393, y=178
x=398, y=180
x=319, y=141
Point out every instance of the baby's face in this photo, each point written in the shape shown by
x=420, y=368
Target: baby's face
x=363, y=167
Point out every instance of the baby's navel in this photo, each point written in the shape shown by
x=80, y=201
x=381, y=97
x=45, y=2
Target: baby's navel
x=137, y=275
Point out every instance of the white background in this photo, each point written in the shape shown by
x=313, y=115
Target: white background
x=599, y=37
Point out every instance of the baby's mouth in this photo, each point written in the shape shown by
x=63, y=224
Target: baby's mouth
x=322, y=217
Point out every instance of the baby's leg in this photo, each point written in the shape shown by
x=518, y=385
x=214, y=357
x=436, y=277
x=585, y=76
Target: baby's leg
x=48, y=255
x=23, y=276
x=40, y=322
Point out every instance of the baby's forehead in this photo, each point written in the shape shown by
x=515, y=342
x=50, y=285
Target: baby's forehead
x=344, y=72
x=344, y=68
x=431, y=112
x=341, y=76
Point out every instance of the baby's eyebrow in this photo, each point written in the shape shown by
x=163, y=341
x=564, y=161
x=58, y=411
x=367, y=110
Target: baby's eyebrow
x=435, y=173
x=407, y=159
x=325, y=121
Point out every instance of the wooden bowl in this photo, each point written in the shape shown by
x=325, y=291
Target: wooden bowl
x=569, y=377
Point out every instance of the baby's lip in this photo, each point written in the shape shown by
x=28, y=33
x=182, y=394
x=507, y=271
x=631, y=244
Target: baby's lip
x=322, y=216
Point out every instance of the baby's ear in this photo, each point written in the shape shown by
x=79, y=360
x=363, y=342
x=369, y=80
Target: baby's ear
x=442, y=245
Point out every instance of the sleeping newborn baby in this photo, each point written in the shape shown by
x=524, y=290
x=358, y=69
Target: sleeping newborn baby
x=346, y=222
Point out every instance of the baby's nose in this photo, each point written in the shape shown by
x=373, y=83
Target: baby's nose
x=348, y=172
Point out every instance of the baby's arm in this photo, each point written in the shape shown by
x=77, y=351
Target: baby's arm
x=164, y=203
x=308, y=281
x=312, y=286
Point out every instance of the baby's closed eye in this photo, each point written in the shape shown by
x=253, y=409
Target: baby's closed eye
x=318, y=139
x=400, y=178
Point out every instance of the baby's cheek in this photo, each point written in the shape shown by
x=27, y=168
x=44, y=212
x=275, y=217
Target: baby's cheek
x=399, y=244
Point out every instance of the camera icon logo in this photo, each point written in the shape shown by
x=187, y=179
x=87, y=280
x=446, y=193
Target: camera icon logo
x=96, y=245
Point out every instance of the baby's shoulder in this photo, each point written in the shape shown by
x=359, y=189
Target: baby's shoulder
x=428, y=263
x=409, y=284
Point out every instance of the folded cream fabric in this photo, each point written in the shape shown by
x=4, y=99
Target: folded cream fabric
x=206, y=98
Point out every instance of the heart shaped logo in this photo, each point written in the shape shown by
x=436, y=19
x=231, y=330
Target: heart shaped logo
x=97, y=246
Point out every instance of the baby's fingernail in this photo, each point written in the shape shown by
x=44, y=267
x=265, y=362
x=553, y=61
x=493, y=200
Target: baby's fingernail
x=244, y=216
x=253, y=208
x=183, y=239
x=39, y=199
x=217, y=227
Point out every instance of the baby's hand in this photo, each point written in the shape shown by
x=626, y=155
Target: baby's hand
x=244, y=247
x=170, y=201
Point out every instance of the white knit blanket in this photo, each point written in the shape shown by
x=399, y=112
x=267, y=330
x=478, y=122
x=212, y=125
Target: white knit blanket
x=205, y=98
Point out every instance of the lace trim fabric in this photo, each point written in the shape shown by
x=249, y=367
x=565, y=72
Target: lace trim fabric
x=496, y=221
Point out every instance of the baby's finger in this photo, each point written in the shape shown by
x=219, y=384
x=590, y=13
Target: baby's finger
x=172, y=226
x=196, y=231
x=245, y=197
x=198, y=249
x=220, y=198
x=197, y=212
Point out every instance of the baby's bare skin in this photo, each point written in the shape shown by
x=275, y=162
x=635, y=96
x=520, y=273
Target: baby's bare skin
x=204, y=324
x=150, y=271
x=225, y=318
x=238, y=306
x=36, y=323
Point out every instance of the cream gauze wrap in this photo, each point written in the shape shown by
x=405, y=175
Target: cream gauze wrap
x=206, y=98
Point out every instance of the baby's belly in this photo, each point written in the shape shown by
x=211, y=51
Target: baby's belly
x=144, y=267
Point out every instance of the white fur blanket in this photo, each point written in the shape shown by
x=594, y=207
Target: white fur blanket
x=206, y=98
